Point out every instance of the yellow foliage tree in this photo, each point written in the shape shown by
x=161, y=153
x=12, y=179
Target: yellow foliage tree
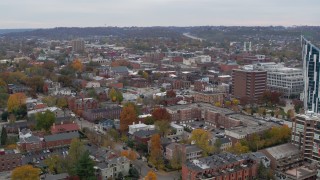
x=151, y=176
x=201, y=139
x=26, y=172
x=235, y=102
x=15, y=101
x=77, y=65
x=238, y=148
x=155, y=151
x=218, y=104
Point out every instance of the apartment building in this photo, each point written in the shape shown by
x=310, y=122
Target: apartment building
x=221, y=166
x=184, y=113
x=9, y=159
x=187, y=152
x=288, y=81
x=77, y=45
x=208, y=97
x=248, y=83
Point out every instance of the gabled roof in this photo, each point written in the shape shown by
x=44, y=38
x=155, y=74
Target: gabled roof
x=60, y=128
x=61, y=136
x=120, y=69
x=145, y=133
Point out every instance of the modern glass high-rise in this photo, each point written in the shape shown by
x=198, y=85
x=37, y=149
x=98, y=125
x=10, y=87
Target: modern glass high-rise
x=311, y=73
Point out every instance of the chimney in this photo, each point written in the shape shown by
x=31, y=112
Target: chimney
x=54, y=125
x=139, y=122
x=133, y=123
x=61, y=122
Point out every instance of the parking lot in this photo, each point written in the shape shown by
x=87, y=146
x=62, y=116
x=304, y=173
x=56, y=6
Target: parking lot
x=38, y=158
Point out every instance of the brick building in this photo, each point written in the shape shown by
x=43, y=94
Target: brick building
x=184, y=113
x=110, y=112
x=188, y=152
x=209, y=97
x=221, y=166
x=78, y=105
x=64, y=128
x=9, y=159
x=248, y=83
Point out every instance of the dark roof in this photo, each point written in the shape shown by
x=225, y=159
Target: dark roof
x=119, y=69
x=145, y=133
x=30, y=139
x=62, y=136
x=225, y=140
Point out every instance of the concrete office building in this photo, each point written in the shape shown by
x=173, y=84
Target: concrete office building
x=248, y=83
x=288, y=81
x=311, y=70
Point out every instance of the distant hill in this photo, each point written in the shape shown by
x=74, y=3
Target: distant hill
x=76, y=32
x=5, y=31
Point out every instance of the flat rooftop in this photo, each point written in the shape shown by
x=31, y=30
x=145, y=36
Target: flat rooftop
x=301, y=172
x=283, y=150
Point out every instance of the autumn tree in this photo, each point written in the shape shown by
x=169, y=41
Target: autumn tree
x=160, y=114
x=176, y=159
x=56, y=164
x=238, y=148
x=50, y=100
x=217, y=104
x=201, y=138
x=163, y=127
x=129, y=154
x=115, y=95
x=15, y=101
x=128, y=115
x=171, y=93
x=62, y=102
x=227, y=103
x=151, y=176
x=26, y=172
x=77, y=65
x=45, y=120
x=297, y=105
x=155, y=151
x=145, y=75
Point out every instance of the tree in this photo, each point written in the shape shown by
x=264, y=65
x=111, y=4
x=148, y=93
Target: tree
x=62, y=102
x=290, y=114
x=4, y=136
x=217, y=146
x=217, y=104
x=15, y=101
x=155, y=151
x=50, y=100
x=176, y=160
x=171, y=93
x=84, y=167
x=77, y=65
x=238, y=148
x=112, y=94
x=160, y=114
x=119, y=97
x=145, y=75
x=297, y=105
x=114, y=134
x=75, y=152
x=128, y=115
x=45, y=120
x=163, y=127
x=201, y=139
x=133, y=172
x=235, y=102
x=26, y=172
x=129, y=154
x=149, y=120
x=151, y=176
x=55, y=164
x=227, y=103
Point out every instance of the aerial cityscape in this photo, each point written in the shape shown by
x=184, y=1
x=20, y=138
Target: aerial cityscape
x=159, y=90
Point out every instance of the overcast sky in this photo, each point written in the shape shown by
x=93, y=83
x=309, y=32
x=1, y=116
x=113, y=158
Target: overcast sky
x=89, y=13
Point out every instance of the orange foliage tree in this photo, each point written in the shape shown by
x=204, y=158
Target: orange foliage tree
x=155, y=151
x=26, y=172
x=127, y=117
x=129, y=154
x=160, y=114
x=77, y=65
x=151, y=176
x=15, y=101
